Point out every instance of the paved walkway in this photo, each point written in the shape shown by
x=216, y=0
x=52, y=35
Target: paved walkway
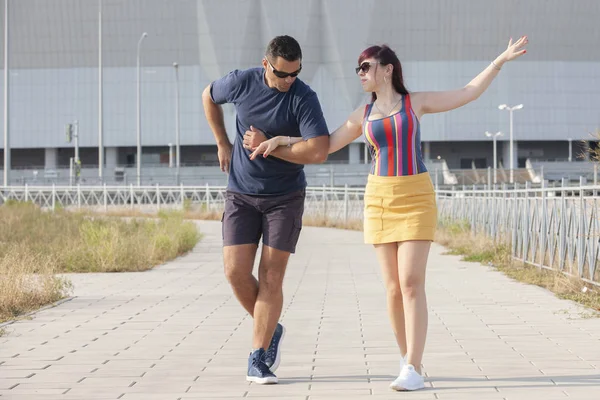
x=176, y=332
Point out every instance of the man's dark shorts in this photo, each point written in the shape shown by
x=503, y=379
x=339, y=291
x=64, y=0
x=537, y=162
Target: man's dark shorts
x=278, y=219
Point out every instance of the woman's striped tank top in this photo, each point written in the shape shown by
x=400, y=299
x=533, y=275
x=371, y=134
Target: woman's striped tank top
x=394, y=142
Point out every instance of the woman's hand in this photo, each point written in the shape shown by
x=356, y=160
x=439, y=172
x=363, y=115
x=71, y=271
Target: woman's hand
x=514, y=50
x=266, y=147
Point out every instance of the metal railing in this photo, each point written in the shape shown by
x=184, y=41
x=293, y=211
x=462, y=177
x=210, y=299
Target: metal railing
x=550, y=227
x=333, y=203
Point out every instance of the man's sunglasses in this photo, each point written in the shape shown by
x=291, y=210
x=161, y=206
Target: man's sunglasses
x=281, y=74
x=364, y=67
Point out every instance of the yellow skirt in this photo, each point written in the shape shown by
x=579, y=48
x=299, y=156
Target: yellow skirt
x=399, y=208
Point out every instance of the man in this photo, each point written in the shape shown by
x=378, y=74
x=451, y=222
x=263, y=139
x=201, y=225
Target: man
x=265, y=197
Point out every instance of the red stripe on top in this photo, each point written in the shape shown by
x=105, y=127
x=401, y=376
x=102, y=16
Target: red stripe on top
x=387, y=126
x=409, y=147
x=399, y=151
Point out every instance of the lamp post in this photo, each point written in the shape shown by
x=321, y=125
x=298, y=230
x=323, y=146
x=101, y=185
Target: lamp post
x=7, y=162
x=510, y=110
x=100, y=98
x=494, y=136
x=139, y=113
x=177, y=149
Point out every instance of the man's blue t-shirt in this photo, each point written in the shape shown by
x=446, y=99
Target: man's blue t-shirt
x=296, y=112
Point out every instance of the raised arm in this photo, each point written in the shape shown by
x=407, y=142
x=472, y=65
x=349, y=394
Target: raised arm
x=436, y=102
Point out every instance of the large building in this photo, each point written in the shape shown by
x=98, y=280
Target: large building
x=54, y=74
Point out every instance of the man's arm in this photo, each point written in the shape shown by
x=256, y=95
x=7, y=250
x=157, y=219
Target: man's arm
x=254, y=139
x=214, y=116
x=313, y=128
x=311, y=151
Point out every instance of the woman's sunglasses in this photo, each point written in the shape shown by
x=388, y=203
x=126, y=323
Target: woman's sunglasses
x=281, y=74
x=364, y=67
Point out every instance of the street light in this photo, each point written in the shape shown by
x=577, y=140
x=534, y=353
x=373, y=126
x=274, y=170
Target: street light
x=510, y=110
x=100, y=98
x=139, y=113
x=7, y=162
x=494, y=136
x=570, y=149
x=177, y=153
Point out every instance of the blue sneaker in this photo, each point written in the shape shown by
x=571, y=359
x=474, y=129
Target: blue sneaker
x=258, y=372
x=273, y=354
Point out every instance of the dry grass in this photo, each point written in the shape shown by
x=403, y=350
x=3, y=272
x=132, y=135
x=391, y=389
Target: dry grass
x=84, y=243
x=28, y=281
x=353, y=224
x=36, y=245
x=595, y=152
x=460, y=241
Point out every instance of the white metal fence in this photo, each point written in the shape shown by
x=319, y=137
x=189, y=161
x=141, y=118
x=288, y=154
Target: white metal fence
x=332, y=203
x=551, y=227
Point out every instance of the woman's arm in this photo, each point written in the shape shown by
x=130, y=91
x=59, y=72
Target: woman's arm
x=269, y=145
x=436, y=102
x=348, y=131
x=341, y=137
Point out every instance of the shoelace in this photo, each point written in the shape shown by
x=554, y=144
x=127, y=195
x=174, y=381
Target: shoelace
x=261, y=366
x=271, y=349
x=269, y=353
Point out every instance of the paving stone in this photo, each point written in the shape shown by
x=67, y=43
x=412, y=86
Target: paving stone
x=177, y=332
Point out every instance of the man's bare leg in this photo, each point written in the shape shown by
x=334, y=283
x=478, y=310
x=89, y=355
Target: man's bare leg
x=239, y=261
x=269, y=301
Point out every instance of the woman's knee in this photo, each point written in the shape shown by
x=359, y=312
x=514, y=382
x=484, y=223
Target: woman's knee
x=394, y=291
x=412, y=286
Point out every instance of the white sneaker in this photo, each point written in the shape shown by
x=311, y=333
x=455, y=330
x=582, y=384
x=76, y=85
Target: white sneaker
x=409, y=379
x=402, y=363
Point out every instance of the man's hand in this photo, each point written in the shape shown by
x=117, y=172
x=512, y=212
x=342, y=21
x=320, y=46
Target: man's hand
x=224, y=154
x=253, y=138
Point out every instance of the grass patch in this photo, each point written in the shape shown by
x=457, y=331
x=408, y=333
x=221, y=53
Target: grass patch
x=458, y=238
x=28, y=281
x=351, y=224
x=79, y=242
x=594, y=150
x=37, y=245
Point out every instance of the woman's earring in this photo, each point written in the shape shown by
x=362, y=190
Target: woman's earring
x=385, y=79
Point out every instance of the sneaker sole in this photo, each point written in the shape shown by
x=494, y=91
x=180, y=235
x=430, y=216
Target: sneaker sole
x=406, y=389
x=262, y=381
x=278, y=355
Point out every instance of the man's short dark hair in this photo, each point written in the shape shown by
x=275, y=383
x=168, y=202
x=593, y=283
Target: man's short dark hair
x=285, y=47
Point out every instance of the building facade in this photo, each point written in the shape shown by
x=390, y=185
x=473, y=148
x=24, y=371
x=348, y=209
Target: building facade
x=54, y=74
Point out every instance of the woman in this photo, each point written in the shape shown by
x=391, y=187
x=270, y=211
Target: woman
x=400, y=212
